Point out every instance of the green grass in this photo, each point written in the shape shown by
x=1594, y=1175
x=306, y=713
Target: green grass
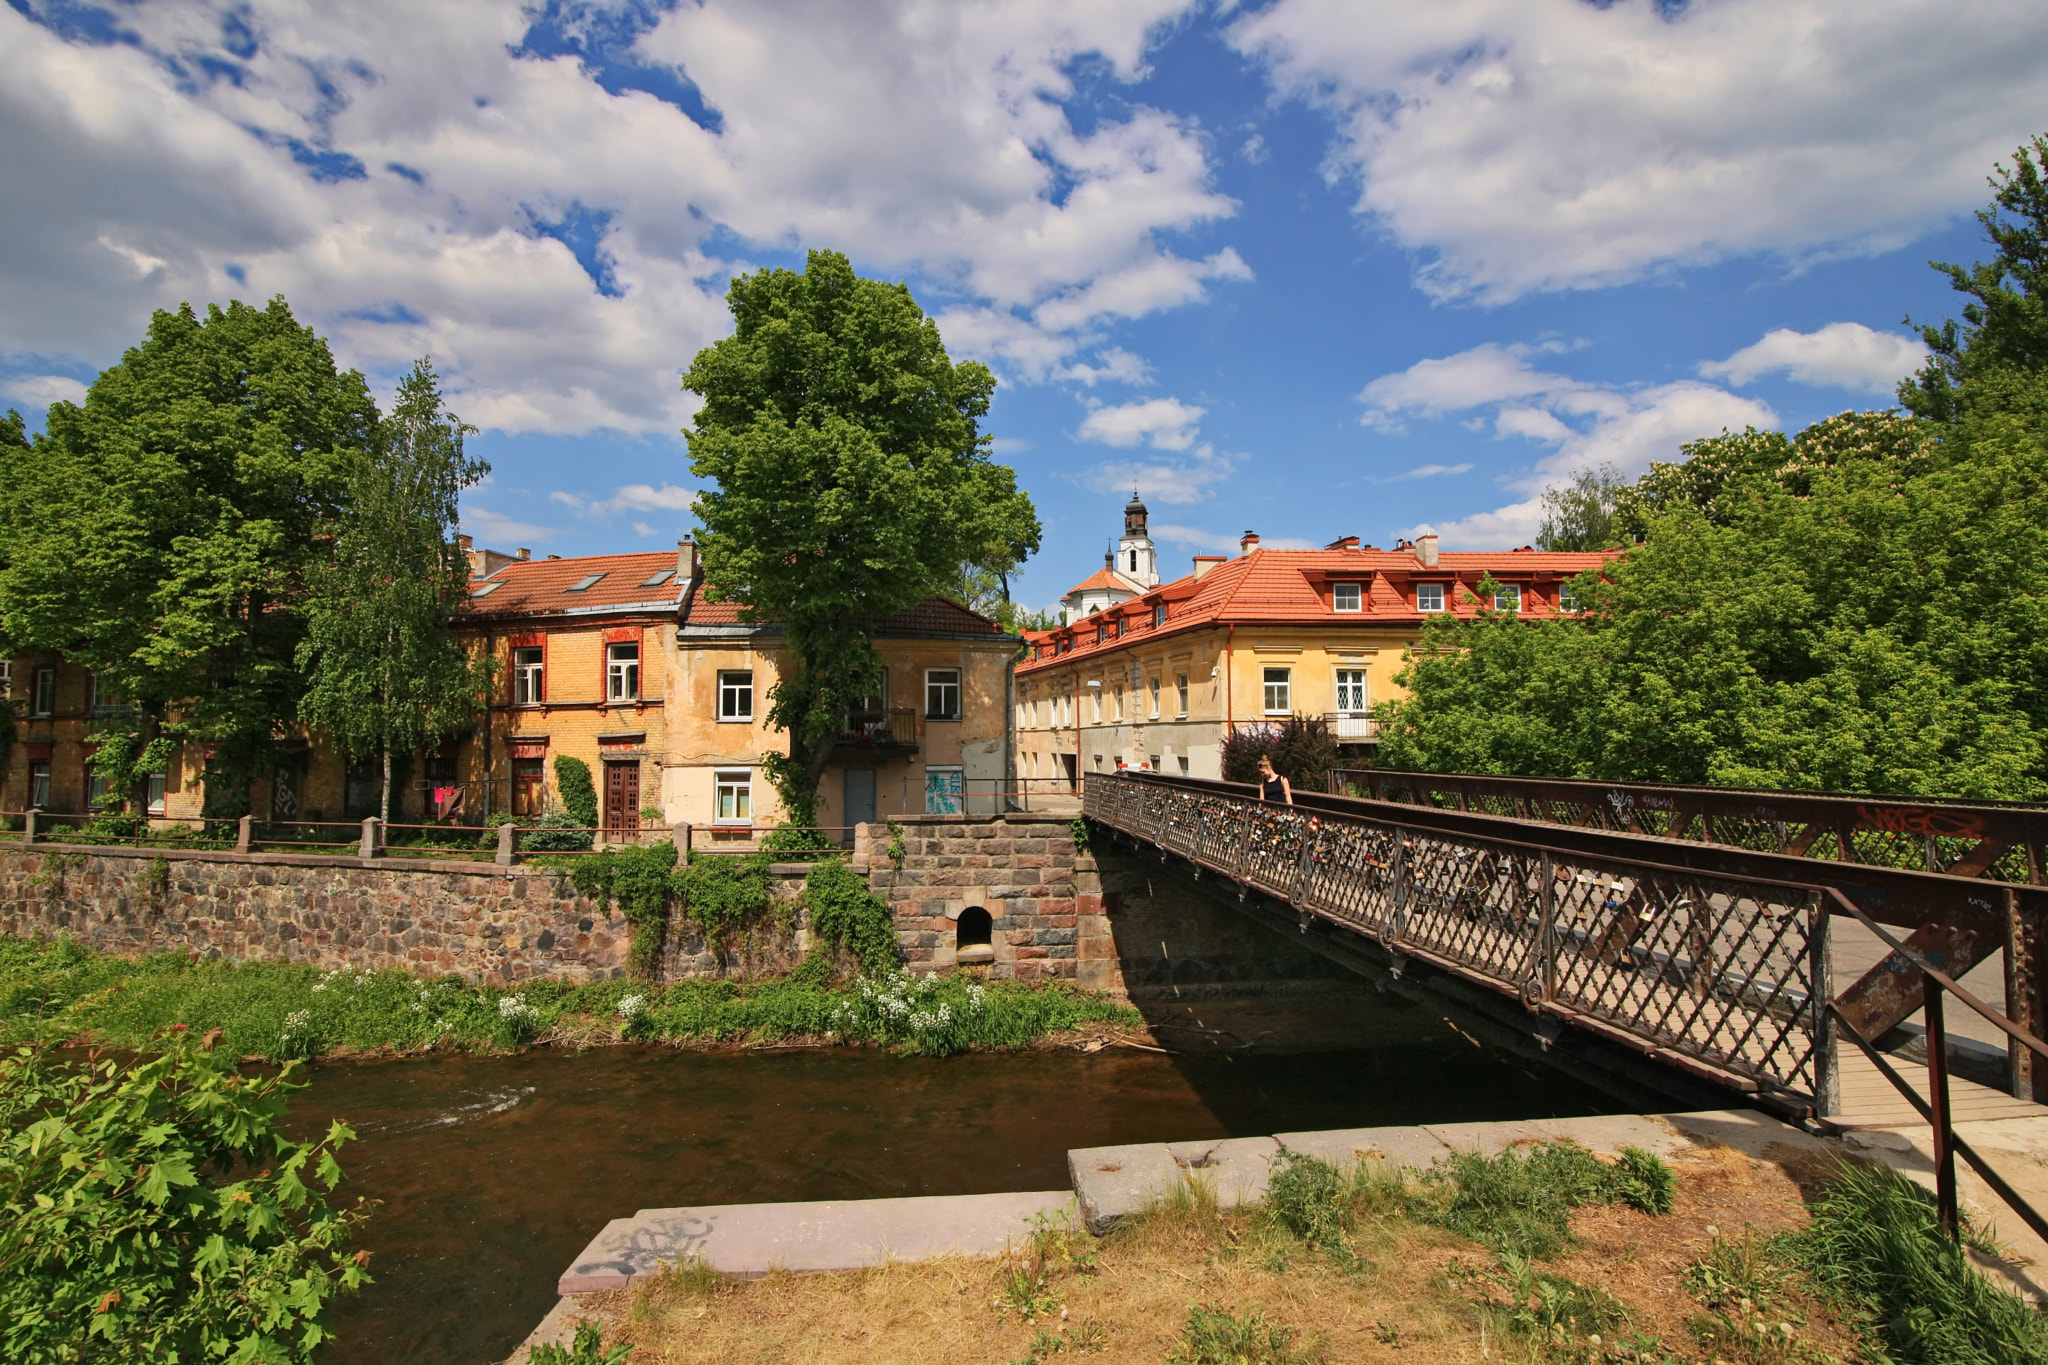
x=282, y=1010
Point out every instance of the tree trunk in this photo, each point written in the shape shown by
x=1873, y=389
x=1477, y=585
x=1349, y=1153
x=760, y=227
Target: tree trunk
x=385, y=809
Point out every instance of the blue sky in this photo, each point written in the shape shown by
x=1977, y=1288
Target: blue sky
x=1305, y=267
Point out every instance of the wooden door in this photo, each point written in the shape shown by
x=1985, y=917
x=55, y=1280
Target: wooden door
x=621, y=798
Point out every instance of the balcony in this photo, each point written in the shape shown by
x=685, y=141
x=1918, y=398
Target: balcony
x=1353, y=727
x=892, y=729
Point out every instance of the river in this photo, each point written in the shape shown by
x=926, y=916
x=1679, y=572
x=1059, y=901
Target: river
x=493, y=1172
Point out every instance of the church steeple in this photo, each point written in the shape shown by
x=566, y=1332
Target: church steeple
x=1136, y=559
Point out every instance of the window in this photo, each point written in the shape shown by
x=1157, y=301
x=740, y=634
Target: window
x=735, y=798
x=942, y=694
x=622, y=672
x=1095, y=702
x=659, y=577
x=39, y=784
x=529, y=785
x=943, y=788
x=1119, y=701
x=6, y=678
x=1159, y=616
x=1101, y=632
x=157, y=785
x=1134, y=561
x=1154, y=762
x=1348, y=597
x=95, y=788
x=1351, y=689
x=1183, y=765
x=1279, y=692
x=1429, y=597
x=1507, y=597
x=44, y=700
x=1180, y=685
x=585, y=584
x=526, y=676
x=100, y=701
x=1155, y=703
x=736, y=695
x=1568, y=597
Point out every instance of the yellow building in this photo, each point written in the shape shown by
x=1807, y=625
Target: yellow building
x=1159, y=679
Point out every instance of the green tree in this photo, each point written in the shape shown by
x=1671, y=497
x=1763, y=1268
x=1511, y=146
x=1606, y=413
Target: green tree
x=151, y=1211
x=165, y=532
x=851, y=481
x=2005, y=328
x=384, y=670
x=1580, y=515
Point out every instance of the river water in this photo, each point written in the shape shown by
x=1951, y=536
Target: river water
x=493, y=1172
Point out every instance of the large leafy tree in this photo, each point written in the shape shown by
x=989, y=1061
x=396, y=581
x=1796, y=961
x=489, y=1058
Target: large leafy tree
x=384, y=670
x=850, y=478
x=164, y=533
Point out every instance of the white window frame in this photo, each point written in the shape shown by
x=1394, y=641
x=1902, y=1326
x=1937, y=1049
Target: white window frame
x=622, y=674
x=738, y=784
x=1155, y=698
x=1507, y=597
x=1119, y=703
x=1095, y=696
x=1183, y=765
x=39, y=784
x=1285, y=694
x=529, y=675
x=1180, y=684
x=1158, y=615
x=1347, y=679
x=1568, y=597
x=1347, y=597
x=159, y=783
x=736, y=695
x=937, y=687
x=42, y=699
x=1429, y=596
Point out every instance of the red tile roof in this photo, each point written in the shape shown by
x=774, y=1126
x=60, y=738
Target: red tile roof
x=540, y=587
x=1292, y=587
x=934, y=615
x=1101, y=578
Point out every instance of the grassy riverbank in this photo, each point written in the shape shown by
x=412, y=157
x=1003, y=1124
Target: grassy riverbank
x=1539, y=1259
x=277, y=1010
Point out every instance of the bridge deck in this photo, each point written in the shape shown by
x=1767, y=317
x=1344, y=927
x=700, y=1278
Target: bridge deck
x=1870, y=1101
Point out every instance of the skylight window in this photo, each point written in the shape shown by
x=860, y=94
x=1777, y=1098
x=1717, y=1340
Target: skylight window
x=659, y=578
x=486, y=590
x=586, y=583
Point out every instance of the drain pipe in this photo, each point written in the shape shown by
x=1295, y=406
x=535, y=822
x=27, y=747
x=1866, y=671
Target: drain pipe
x=1009, y=734
x=1229, y=681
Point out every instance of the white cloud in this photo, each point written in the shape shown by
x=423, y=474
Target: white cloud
x=1583, y=425
x=1174, y=482
x=396, y=172
x=1216, y=542
x=1433, y=471
x=1522, y=145
x=632, y=497
x=495, y=528
x=1166, y=423
x=41, y=390
x=1117, y=364
x=1843, y=355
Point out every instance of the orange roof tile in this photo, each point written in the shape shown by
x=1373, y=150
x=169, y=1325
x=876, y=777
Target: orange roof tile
x=1101, y=578
x=934, y=615
x=541, y=587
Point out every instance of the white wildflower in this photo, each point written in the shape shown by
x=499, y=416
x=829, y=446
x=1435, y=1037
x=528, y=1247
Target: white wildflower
x=631, y=1006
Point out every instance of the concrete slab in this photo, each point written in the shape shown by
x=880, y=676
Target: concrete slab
x=1405, y=1146
x=1751, y=1133
x=1600, y=1133
x=1235, y=1168
x=558, y=1328
x=752, y=1239
x=1112, y=1183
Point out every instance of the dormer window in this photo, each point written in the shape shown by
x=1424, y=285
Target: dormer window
x=1101, y=632
x=1159, y=616
x=1429, y=597
x=1348, y=597
x=1507, y=597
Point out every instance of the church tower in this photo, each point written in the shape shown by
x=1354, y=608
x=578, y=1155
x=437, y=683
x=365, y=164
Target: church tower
x=1135, y=557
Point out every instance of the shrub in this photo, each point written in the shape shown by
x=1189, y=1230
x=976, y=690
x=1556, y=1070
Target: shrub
x=489, y=837
x=850, y=917
x=587, y=1348
x=555, y=832
x=722, y=893
x=579, y=793
x=1311, y=1199
x=1302, y=748
x=638, y=878
x=1522, y=1204
x=122, y=1236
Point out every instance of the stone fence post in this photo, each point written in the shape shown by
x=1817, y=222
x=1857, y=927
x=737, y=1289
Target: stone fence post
x=245, y=828
x=506, y=835
x=681, y=835
x=28, y=826
x=373, y=844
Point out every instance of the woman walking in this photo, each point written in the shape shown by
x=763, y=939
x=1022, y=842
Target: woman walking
x=1272, y=786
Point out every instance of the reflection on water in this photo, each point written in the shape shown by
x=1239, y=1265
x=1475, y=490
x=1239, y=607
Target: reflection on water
x=494, y=1172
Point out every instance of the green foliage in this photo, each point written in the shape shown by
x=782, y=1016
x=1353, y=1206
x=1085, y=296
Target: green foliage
x=2005, y=326
x=723, y=893
x=578, y=792
x=179, y=517
x=1521, y=1202
x=850, y=917
x=587, y=1348
x=151, y=1211
x=554, y=832
x=1565, y=1320
x=1875, y=1243
x=1214, y=1336
x=850, y=479
x=640, y=879
x=1302, y=748
x=384, y=670
x=794, y=838
x=1580, y=515
x=1312, y=1200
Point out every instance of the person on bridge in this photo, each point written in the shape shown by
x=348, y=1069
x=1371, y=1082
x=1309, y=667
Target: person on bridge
x=1272, y=786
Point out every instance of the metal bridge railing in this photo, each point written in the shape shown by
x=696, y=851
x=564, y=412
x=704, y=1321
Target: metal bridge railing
x=1715, y=973
x=1996, y=840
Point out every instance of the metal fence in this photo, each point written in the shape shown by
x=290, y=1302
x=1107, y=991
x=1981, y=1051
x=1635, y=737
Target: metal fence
x=1713, y=971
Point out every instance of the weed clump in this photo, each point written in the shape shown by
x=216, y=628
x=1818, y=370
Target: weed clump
x=1215, y=1336
x=1521, y=1203
x=1312, y=1199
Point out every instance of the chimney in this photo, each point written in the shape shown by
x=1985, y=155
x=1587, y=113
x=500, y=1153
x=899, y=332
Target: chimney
x=1425, y=550
x=554, y=556
x=686, y=562
x=1204, y=563
x=467, y=544
x=1249, y=543
x=1343, y=543
x=522, y=553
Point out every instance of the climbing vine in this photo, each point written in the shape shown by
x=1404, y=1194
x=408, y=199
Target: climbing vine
x=845, y=914
x=639, y=880
x=723, y=894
